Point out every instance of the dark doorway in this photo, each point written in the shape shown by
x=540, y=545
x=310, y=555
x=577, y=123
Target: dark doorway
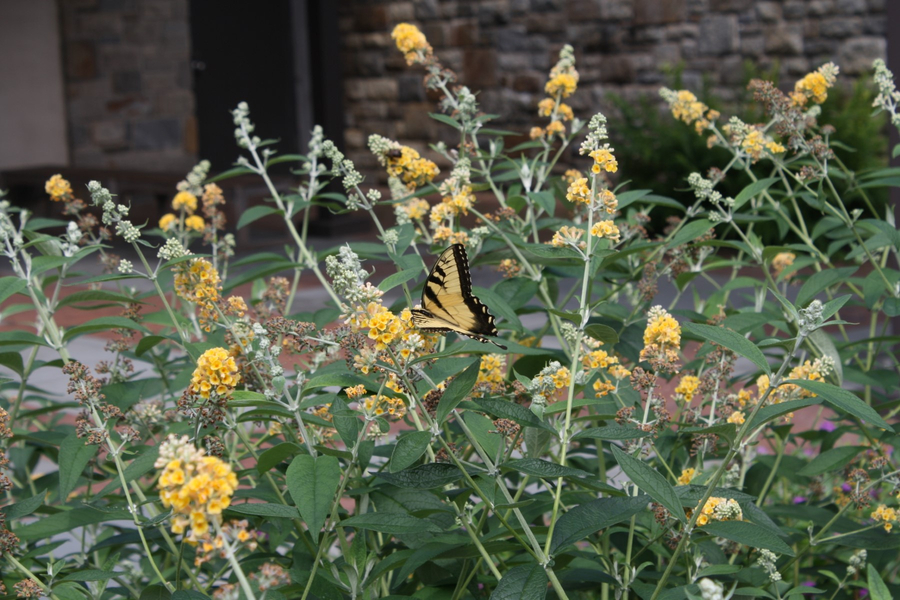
x=245, y=51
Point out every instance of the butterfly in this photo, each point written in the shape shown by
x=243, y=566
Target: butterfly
x=448, y=303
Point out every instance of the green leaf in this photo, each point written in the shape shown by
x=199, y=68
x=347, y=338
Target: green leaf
x=844, y=400
x=690, y=232
x=498, y=307
x=147, y=342
x=409, y=448
x=446, y=120
x=877, y=588
x=821, y=280
x=141, y=465
x=725, y=430
x=68, y=520
x=542, y=468
x=313, y=482
x=773, y=411
x=525, y=582
x=604, y=333
x=74, y=455
x=275, y=455
x=104, y=324
x=731, y=340
x=830, y=460
x=754, y=189
x=11, y=285
x=23, y=508
x=456, y=390
x=155, y=592
x=395, y=279
x=612, y=432
x=510, y=410
x=257, y=212
x=749, y=534
x=591, y=517
x=261, y=509
x=97, y=296
x=825, y=345
x=391, y=522
x=424, y=477
x=649, y=480
x=90, y=575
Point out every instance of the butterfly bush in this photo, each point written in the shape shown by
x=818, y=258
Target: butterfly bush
x=729, y=437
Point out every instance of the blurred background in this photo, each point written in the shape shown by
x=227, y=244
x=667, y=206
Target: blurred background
x=135, y=92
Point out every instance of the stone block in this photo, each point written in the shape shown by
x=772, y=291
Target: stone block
x=365, y=64
x=582, y=10
x=479, y=67
x=841, y=27
x=617, y=69
x=514, y=38
x=753, y=46
x=427, y=9
x=768, y=11
x=161, y=10
x=463, y=33
x=616, y=10
x=876, y=5
x=400, y=12
x=785, y=40
x=528, y=82
x=99, y=26
x=718, y=35
x=726, y=5
x=382, y=88
x=545, y=23
x=794, y=9
x=156, y=134
x=354, y=138
x=820, y=7
x=852, y=7
x=669, y=53
x=81, y=60
x=855, y=56
x=874, y=25
x=546, y=5
x=410, y=88
x=795, y=68
x=126, y=82
x=655, y=12
x=176, y=103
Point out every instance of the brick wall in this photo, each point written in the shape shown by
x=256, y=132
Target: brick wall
x=128, y=84
x=504, y=48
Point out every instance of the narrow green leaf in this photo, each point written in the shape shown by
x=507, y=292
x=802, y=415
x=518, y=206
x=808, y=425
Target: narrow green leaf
x=261, y=509
x=90, y=575
x=313, y=482
x=589, y=518
x=423, y=477
x=96, y=296
x=409, y=448
x=155, y=592
x=754, y=189
x=773, y=411
x=525, y=582
x=74, y=455
x=68, y=520
x=147, y=342
x=821, y=280
x=749, y=534
x=446, y=120
x=395, y=279
x=604, y=333
x=255, y=213
x=844, y=400
x=510, y=410
x=612, y=432
x=691, y=232
x=731, y=340
x=11, y=285
x=877, y=588
x=649, y=480
x=23, y=508
x=273, y=456
x=543, y=468
x=457, y=389
x=391, y=522
x=103, y=324
x=830, y=460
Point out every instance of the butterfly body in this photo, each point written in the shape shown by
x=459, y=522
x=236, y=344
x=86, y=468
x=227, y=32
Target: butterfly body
x=448, y=303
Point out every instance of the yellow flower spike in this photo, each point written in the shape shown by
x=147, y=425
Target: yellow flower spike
x=185, y=201
x=58, y=188
x=168, y=221
x=194, y=223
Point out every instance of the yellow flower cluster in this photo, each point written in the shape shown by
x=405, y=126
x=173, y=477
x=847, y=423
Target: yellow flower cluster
x=562, y=83
x=572, y=175
x=454, y=204
x=196, y=487
x=687, y=387
x=415, y=209
x=198, y=281
x=382, y=406
x=606, y=229
x=194, y=223
x=662, y=336
x=687, y=475
x=568, y=236
x=491, y=369
x=445, y=234
x=782, y=261
x=754, y=143
x=687, y=108
x=814, y=86
x=579, y=191
x=509, y=267
x=185, y=201
x=886, y=516
x=216, y=372
x=604, y=160
x=168, y=221
x=811, y=371
x=720, y=509
x=737, y=417
x=58, y=188
x=410, y=168
x=561, y=378
x=411, y=42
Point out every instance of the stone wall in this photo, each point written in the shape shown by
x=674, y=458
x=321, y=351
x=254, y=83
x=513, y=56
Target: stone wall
x=505, y=48
x=128, y=84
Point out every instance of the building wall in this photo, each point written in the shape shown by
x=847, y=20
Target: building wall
x=128, y=84
x=505, y=48
x=32, y=108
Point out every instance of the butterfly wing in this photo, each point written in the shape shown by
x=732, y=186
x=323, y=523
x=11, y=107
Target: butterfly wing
x=447, y=300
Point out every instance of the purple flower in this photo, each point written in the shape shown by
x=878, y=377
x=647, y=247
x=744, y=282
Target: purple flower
x=799, y=500
x=863, y=593
x=846, y=488
x=809, y=583
x=828, y=426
